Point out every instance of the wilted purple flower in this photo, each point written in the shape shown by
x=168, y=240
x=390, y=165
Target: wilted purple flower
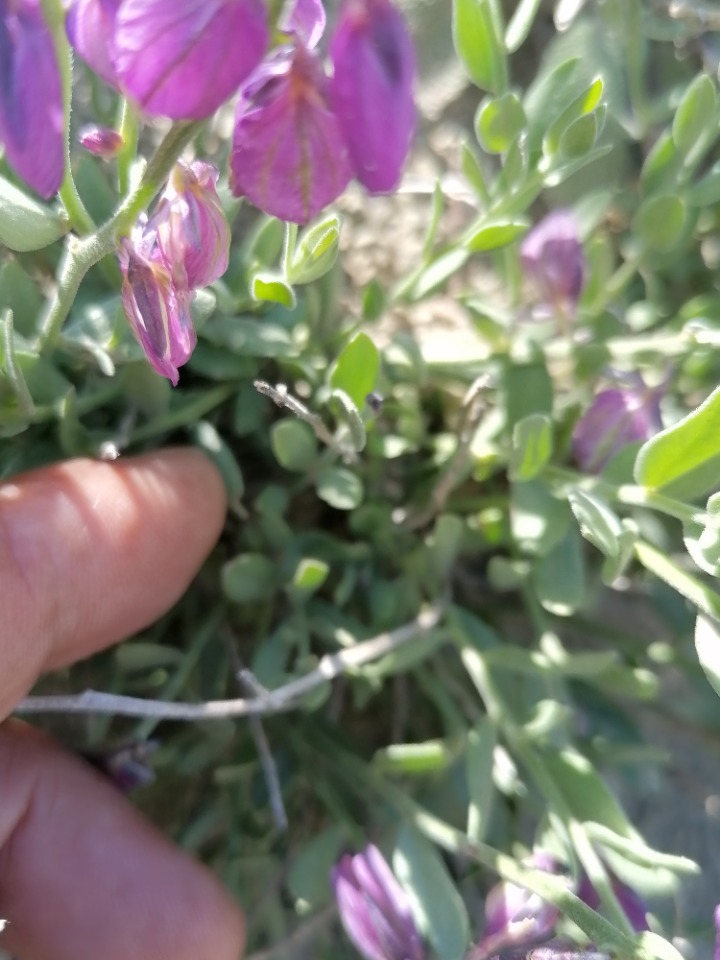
x=374, y=909
x=156, y=299
x=31, y=108
x=183, y=59
x=100, y=141
x=90, y=26
x=190, y=223
x=631, y=902
x=288, y=156
x=372, y=89
x=617, y=417
x=127, y=765
x=553, y=258
x=515, y=916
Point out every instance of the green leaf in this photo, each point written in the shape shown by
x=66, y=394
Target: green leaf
x=579, y=138
x=686, y=453
x=598, y=523
x=350, y=416
x=703, y=545
x=661, y=166
x=532, y=446
x=538, y=519
x=697, y=109
x=499, y=122
x=416, y=759
x=445, y=543
x=477, y=36
x=309, y=576
x=444, y=266
x=707, y=645
x=26, y=224
x=559, y=576
x=521, y=24
x=652, y=944
x=271, y=288
x=256, y=338
x=316, y=252
x=21, y=295
x=356, y=370
x=339, y=488
x=549, y=96
x=206, y=437
x=582, y=105
x=437, y=906
x=493, y=234
x=307, y=878
x=707, y=190
x=527, y=389
x=294, y=445
x=660, y=222
x=249, y=577
x=479, y=770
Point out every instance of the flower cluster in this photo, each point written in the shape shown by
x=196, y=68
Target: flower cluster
x=184, y=245
x=301, y=134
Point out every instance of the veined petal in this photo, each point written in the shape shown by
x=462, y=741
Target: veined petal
x=372, y=90
x=306, y=19
x=288, y=155
x=202, y=50
x=90, y=27
x=31, y=111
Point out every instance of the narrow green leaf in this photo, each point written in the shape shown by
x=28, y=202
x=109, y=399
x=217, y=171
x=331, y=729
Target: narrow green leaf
x=481, y=788
x=270, y=288
x=579, y=138
x=683, y=449
x=531, y=446
x=598, y=523
x=493, y=234
x=521, y=24
x=350, y=416
x=479, y=44
x=309, y=576
x=695, y=111
x=432, y=756
x=559, y=576
x=356, y=370
x=582, y=105
x=437, y=906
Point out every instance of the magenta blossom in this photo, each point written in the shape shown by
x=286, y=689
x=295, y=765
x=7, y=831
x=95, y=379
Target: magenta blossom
x=31, y=109
x=305, y=19
x=372, y=90
x=183, y=59
x=102, y=142
x=616, y=418
x=553, y=259
x=156, y=300
x=190, y=223
x=516, y=917
x=90, y=27
x=631, y=902
x=374, y=908
x=288, y=156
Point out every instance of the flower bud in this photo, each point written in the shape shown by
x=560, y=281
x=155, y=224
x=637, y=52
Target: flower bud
x=288, y=156
x=127, y=765
x=156, y=300
x=182, y=59
x=514, y=916
x=31, y=109
x=90, y=27
x=100, y=141
x=374, y=909
x=372, y=90
x=616, y=418
x=553, y=259
x=191, y=226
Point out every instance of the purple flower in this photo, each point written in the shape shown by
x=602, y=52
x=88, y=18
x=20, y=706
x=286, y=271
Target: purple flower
x=190, y=223
x=156, y=299
x=552, y=257
x=372, y=90
x=630, y=901
x=306, y=20
x=31, y=108
x=90, y=27
x=182, y=59
x=100, y=141
x=374, y=909
x=717, y=932
x=617, y=417
x=514, y=916
x=288, y=156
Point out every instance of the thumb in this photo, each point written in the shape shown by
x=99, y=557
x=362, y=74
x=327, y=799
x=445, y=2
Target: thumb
x=83, y=876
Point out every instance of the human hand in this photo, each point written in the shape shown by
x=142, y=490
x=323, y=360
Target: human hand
x=90, y=552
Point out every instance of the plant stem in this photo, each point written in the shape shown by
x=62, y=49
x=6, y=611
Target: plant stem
x=128, y=130
x=698, y=593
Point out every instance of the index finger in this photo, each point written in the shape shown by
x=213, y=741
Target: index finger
x=91, y=552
